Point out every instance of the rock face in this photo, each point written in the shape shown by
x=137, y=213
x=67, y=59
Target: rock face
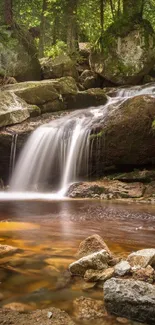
x=92, y=244
x=61, y=66
x=13, y=110
x=128, y=53
x=142, y=258
x=131, y=299
x=18, y=55
x=96, y=261
x=127, y=137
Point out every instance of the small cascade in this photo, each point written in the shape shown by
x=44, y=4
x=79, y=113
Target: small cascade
x=13, y=153
x=59, y=152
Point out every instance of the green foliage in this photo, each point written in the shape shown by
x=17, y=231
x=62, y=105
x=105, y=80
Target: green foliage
x=59, y=13
x=59, y=48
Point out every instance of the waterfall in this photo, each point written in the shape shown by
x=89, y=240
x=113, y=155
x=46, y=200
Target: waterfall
x=13, y=153
x=59, y=151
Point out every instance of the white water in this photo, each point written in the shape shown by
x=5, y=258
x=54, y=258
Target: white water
x=62, y=147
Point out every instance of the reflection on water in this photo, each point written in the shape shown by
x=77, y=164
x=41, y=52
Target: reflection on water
x=48, y=234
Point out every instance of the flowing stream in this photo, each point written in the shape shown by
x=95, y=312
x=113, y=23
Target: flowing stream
x=62, y=147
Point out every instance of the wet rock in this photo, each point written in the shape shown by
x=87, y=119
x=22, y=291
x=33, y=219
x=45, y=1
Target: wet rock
x=36, y=317
x=145, y=274
x=127, y=55
x=131, y=299
x=122, y=268
x=88, y=309
x=92, y=244
x=106, y=189
x=96, y=261
x=61, y=66
x=142, y=258
x=96, y=275
x=18, y=55
x=6, y=249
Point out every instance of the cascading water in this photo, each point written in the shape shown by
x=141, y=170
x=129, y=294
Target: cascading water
x=13, y=153
x=62, y=146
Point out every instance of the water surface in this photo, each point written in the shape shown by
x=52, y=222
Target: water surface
x=48, y=234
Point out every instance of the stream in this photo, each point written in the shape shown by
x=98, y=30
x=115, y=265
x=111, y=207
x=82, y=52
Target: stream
x=48, y=234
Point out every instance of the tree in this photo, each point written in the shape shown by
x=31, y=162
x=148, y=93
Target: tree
x=133, y=9
x=72, y=29
x=8, y=12
x=42, y=29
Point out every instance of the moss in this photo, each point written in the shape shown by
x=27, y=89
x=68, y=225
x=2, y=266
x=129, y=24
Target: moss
x=97, y=135
x=153, y=125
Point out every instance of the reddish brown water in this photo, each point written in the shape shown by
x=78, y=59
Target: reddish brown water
x=48, y=234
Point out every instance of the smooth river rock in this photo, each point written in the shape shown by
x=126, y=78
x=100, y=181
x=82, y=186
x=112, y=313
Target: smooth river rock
x=131, y=299
x=96, y=261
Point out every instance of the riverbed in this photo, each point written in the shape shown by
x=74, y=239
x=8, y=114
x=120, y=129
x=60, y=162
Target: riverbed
x=48, y=233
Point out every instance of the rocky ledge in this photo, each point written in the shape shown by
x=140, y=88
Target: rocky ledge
x=137, y=186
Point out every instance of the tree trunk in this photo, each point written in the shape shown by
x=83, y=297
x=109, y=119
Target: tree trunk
x=8, y=12
x=72, y=30
x=132, y=8
x=42, y=29
x=102, y=15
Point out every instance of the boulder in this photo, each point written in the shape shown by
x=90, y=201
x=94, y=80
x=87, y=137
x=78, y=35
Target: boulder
x=128, y=53
x=142, y=258
x=49, y=95
x=131, y=299
x=126, y=137
x=99, y=275
x=92, y=244
x=18, y=55
x=122, y=268
x=13, y=110
x=96, y=261
x=89, y=79
x=61, y=66
x=88, y=309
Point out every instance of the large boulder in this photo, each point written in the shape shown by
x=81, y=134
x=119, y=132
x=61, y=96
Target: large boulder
x=131, y=299
x=18, y=55
x=61, y=66
x=127, y=137
x=128, y=53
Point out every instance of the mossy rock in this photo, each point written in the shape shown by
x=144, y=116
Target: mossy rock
x=127, y=53
x=18, y=57
x=128, y=138
x=61, y=66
